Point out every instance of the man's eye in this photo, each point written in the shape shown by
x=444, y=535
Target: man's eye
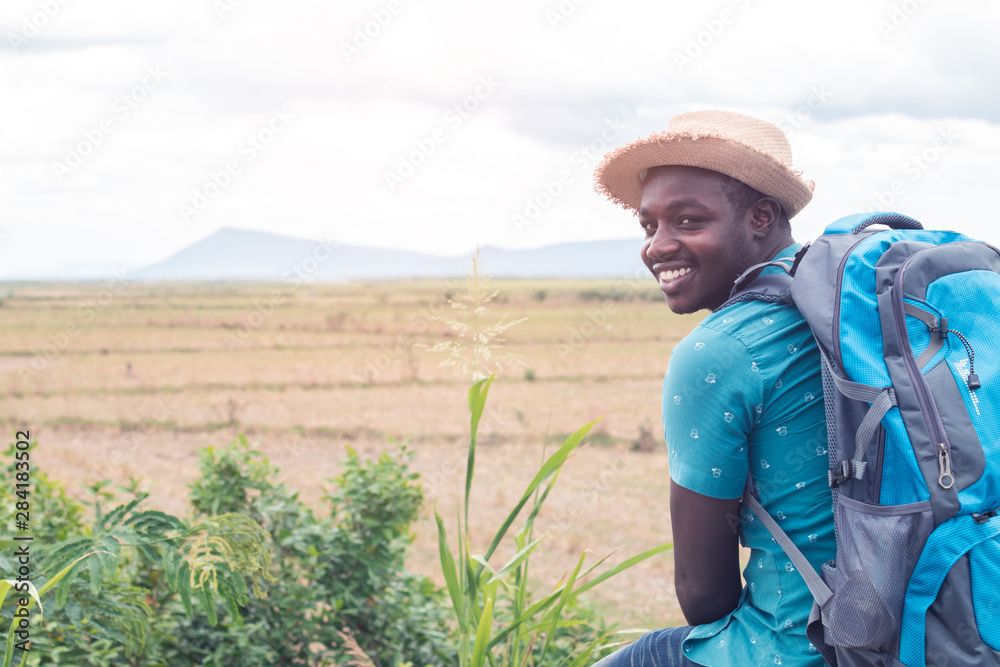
x=649, y=227
x=685, y=221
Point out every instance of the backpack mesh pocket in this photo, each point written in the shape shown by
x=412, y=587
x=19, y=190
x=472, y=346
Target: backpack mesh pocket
x=877, y=549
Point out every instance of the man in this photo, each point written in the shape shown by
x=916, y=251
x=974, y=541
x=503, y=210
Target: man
x=742, y=397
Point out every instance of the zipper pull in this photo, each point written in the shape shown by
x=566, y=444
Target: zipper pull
x=972, y=380
x=945, y=479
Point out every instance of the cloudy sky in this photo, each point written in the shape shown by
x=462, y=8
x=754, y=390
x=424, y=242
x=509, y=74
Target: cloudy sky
x=133, y=129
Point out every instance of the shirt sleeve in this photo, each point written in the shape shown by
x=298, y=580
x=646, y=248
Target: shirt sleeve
x=712, y=396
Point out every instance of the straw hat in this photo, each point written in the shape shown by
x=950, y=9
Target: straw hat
x=750, y=150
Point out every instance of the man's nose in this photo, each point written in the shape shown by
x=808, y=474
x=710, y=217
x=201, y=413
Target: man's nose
x=664, y=243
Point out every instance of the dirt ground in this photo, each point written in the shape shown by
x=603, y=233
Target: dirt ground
x=122, y=380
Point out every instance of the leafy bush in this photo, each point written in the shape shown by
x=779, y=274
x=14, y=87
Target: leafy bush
x=255, y=578
x=103, y=574
x=336, y=572
x=131, y=579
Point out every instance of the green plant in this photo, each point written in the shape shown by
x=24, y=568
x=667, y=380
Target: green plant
x=496, y=616
x=104, y=575
x=474, y=352
x=125, y=585
x=122, y=586
x=341, y=570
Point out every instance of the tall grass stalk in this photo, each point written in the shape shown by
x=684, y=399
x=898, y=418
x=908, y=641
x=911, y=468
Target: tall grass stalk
x=475, y=350
x=499, y=623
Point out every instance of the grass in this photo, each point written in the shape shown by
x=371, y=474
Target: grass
x=164, y=369
x=479, y=589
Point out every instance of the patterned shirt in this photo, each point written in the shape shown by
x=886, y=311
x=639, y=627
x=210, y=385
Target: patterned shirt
x=743, y=395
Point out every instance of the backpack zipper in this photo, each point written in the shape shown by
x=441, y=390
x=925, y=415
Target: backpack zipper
x=945, y=478
x=880, y=453
x=839, y=292
x=924, y=395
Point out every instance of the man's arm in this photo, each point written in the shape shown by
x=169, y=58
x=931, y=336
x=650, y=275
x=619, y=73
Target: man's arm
x=706, y=554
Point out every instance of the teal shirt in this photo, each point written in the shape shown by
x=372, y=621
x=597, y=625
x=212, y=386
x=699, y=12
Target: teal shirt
x=743, y=394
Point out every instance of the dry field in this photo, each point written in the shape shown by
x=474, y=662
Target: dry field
x=120, y=380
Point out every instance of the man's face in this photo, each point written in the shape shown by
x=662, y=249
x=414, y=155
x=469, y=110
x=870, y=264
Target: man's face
x=695, y=244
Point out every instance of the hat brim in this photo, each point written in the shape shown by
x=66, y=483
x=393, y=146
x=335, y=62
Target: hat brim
x=617, y=176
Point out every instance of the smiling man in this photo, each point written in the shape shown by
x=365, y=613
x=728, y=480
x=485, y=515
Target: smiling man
x=742, y=396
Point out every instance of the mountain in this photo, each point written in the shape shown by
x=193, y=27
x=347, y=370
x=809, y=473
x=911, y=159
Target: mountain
x=238, y=254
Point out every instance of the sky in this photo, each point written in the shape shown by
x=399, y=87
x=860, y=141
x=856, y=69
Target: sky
x=134, y=129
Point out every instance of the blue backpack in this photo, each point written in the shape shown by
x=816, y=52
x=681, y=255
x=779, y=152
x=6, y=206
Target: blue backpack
x=908, y=325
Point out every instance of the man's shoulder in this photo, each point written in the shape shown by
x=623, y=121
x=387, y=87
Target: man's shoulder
x=753, y=321
x=718, y=350
x=749, y=335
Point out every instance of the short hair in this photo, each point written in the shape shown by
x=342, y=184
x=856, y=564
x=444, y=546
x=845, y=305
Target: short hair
x=741, y=197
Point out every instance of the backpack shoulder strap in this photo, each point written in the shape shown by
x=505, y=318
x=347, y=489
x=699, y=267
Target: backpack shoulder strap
x=773, y=286
x=820, y=591
x=777, y=286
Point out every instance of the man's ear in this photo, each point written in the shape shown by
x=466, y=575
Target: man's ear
x=764, y=216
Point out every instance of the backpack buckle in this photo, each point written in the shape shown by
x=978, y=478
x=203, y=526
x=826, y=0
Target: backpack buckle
x=845, y=470
x=840, y=473
x=798, y=258
x=984, y=517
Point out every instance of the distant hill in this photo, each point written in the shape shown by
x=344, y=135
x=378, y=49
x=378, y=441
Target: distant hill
x=238, y=254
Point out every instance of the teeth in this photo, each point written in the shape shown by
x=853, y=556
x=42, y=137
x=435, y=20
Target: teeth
x=674, y=274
